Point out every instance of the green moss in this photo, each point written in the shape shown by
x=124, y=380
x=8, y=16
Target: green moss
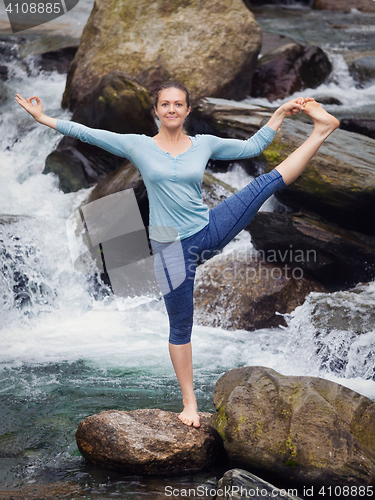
x=275, y=154
x=291, y=463
x=221, y=422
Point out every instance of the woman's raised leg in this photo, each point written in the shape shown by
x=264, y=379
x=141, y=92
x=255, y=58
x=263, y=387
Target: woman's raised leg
x=324, y=124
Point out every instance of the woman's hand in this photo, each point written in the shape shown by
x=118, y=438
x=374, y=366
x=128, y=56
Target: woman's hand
x=290, y=108
x=293, y=107
x=35, y=111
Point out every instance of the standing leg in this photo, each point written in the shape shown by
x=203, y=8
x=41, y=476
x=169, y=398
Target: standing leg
x=182, y=360
x=178, y=298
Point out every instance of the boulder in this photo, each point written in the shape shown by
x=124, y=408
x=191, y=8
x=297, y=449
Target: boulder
x=118, y=104
x=335, y=330
x=303, y=429
x=57, y=60
x=125, y=177
x=148, y=441
x=360, y=126
x=335, y=257
x=51, y=491
x=211, y=47
x=288, y=69
x=339, y=182
x=240, y=484
x=272, y=41
x=325, y=99
x=214, y=191
x=344, y=5
x=3, y=72
x=240, y=290
x=363, y=69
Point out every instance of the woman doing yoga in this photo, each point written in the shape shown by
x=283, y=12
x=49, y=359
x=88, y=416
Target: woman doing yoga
x=172, y=165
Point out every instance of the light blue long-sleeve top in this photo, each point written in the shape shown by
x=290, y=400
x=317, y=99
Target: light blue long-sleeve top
x=173, y=183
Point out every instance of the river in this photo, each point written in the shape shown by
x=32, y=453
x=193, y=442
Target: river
x=67, y=351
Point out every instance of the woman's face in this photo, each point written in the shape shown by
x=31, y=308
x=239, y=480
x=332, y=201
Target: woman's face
x=172, y=108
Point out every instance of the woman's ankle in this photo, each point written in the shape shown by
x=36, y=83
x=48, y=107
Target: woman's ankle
x=190, y=401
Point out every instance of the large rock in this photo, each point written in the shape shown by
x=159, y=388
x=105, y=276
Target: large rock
x=345, y=5
x=339, y=182
x=305, y=429
x=336, y=330
x=211, y=47
x=360, y=126
x=240, y=290
x=363, y=69
x=239, y=484
x=118, y=104
x=149, y=441
x=288, y=69
x=333, y=256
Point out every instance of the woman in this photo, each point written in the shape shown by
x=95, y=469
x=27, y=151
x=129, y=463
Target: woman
x=172, y=166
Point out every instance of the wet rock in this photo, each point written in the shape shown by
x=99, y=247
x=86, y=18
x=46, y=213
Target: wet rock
x=364, y=127
x=226, y=118
x=305, y=430
x=118, y=104
x=338, y=328
x=52, y=491
x=240, y=290
x=323, y=99
x=211, y=47
x=333, y=256
x=339, y=182
x=57, y=60
x=272, y=41
x=148, y=441
x=125, y=177
x=288, y=69
x=241, y=484
x=344, y=5
x=214, y=190
x=363, y=69
x=3, y=73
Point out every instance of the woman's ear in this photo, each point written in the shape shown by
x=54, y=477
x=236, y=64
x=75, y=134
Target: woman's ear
x=156, y=113
x=188, y=110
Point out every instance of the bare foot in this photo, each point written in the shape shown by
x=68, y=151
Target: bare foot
x=189, y=415
x=323, y=121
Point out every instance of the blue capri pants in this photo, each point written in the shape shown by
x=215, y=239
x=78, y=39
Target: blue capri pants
x=226, y=220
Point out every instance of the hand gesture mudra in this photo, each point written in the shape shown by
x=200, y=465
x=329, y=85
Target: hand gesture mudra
x=35, y=111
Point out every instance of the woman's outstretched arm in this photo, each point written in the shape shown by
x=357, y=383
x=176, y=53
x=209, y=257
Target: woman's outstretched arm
x=232, y=149
x=117, y=144
x=36, y=111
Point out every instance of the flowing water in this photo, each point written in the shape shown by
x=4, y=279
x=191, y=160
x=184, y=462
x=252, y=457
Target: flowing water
x=67, y=351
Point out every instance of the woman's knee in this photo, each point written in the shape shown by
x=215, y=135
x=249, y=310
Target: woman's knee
x=180, y=336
